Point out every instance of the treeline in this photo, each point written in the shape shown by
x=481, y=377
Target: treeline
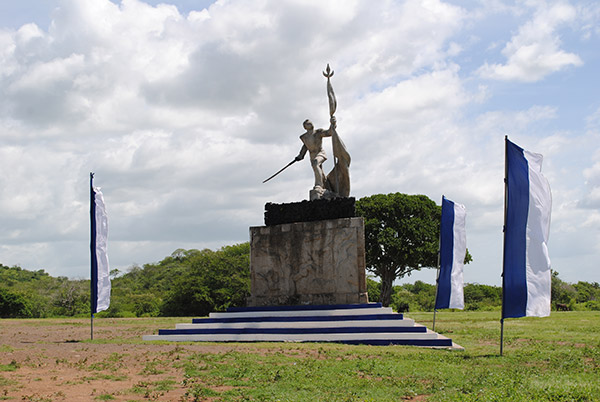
x=194, y=283
x=420, y=296
x=186, y=283
x=36, y=294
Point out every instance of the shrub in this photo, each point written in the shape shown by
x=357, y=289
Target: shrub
x=593, y=305
x=14, y=305
x=373, y=290
x=401, y=300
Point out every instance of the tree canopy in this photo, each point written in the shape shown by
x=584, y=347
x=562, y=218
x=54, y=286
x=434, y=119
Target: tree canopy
x=214, y=281
x=401, y=236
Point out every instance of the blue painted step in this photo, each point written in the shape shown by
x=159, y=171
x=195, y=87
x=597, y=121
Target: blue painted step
x=338, y=330
x=299, y=318
x=319, y=307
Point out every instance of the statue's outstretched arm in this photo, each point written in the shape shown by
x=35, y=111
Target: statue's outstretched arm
x=302, y=153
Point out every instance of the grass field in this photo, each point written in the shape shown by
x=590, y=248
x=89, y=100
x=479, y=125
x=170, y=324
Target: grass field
x=548, y=359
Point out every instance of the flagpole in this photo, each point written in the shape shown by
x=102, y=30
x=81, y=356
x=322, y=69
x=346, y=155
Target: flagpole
x=437, y=279
x=93, y=274
x=504, y=240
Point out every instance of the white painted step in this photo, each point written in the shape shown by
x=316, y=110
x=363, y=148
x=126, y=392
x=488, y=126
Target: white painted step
x=302, y=324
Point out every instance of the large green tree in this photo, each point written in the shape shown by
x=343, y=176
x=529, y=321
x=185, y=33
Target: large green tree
x=401, y=236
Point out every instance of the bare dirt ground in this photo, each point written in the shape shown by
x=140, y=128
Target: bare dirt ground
x=53, y=360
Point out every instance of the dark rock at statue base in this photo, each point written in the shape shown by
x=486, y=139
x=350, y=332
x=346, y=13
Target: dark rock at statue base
x=309, y=211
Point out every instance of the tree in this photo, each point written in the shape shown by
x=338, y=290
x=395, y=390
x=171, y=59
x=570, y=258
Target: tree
x=215, y=280
x=71, y=298
x=14, y=305
x=373, y=289
x=561, y=292
x=401, y=236
x=482, y=297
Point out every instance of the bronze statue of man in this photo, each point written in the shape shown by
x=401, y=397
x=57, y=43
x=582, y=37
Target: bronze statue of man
x=337, y=182
x=313, y=143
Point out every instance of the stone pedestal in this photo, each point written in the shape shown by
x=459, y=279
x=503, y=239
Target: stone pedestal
x=315, y=263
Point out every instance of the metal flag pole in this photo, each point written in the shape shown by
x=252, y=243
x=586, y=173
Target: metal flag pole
x=504, y=240
x=437, y=278
x=93, y=262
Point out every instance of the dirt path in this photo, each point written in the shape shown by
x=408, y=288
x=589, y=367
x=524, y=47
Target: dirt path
x=52, y=360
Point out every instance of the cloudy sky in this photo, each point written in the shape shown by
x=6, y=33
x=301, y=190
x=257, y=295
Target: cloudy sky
x=183, y=107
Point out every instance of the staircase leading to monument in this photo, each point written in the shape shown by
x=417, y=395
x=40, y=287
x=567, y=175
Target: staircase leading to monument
x=369, y=324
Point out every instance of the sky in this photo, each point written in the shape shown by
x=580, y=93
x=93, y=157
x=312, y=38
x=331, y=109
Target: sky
x=182, y=109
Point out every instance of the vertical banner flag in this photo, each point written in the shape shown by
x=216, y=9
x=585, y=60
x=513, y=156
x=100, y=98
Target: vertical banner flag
x=100, y=285
x=453, y=248
x=526, y=273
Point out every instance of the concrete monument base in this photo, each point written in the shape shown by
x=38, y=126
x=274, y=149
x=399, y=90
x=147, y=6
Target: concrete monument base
x=308, y=263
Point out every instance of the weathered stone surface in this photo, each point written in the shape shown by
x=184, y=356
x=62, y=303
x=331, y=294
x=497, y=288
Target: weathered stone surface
x=320, y=262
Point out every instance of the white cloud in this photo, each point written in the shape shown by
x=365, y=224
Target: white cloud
x=181, y=117
x=589, y=13
x=535, y=51
x=592, y=181
x=591, y=173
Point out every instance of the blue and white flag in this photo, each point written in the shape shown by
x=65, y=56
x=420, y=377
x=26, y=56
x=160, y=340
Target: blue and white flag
x=453, y=248
x=100, y=274
x=526, y=271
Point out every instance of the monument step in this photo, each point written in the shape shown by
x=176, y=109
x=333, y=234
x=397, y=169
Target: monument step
x=368, y=324
x=418, y=339
x=292, y=323
x=287, y=318
x=302, y=313
x=291, y=330
x=302, y=307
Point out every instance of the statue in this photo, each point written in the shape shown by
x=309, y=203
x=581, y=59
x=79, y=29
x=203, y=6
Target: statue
x=313, y=143
x=337, y=182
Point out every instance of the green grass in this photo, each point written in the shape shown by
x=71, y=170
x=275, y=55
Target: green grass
x=111, y=363
x=549, y=359
x=4, y=382
x=6, y=349
x=12, y=366
x=107, y=377
x=554, y=359
x=105, y=397
x=153, y=368
x=153, y=389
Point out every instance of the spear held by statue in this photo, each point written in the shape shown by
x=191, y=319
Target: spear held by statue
x=281, y=170
x=338, y=180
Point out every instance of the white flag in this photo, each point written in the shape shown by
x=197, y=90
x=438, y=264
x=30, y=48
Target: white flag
x=100, y=269
x=453, y=248
x=526, y=272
